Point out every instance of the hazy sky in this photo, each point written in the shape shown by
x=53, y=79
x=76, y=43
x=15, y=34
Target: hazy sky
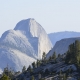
x=53, y=15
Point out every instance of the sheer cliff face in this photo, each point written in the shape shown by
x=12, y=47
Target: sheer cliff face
x=23, y=45
x=36, y=36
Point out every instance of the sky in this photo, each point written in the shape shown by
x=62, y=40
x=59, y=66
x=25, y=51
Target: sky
x=53, y=15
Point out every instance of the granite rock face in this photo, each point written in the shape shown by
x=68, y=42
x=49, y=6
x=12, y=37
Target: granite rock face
x=23, y=45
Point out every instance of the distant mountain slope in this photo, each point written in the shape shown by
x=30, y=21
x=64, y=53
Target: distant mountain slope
x=62, y=46
x=23, y=45
x=54, y=37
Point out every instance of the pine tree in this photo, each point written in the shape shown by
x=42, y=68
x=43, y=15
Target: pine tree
x=24, y=68
x=77, y=51
x=34, y=65
x=5, y=77
x=32, y=78
x=8, y=72
x=44, y=56
x=59, y=55
x=50, y=58
x=54, y=56
x=73, y=53
x=64, y=77
x=38, y=63
x=42, y=79
x=29, y=69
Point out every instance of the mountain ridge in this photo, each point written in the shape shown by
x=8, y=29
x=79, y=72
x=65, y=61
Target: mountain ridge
x=54, y=37
x=25, y=43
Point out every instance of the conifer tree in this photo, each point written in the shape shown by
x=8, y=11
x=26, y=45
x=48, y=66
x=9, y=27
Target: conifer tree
x=64, y=77
x=32, y=78
x=59, y=55
x=5, y=77
x=50, y=58
x=38, y=63
x=44, y=56
x=73, y=53
x=54, y=56
x=29, y=69
x=34, y=65
x=24, y=68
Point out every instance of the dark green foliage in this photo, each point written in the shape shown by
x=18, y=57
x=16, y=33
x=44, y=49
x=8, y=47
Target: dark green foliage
x=42, y=79
x=8, y=72
x=32, y=78
x=44, y=56
x=50, y=58
x=5, y=77
x=54, y=56
x=68, y=57
x=59, y=55
x=44, y=60
x=34, y=65
x=24, y=68
x=29, y=69
x=38, y=63
x=73, y=53
x=64, y=77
